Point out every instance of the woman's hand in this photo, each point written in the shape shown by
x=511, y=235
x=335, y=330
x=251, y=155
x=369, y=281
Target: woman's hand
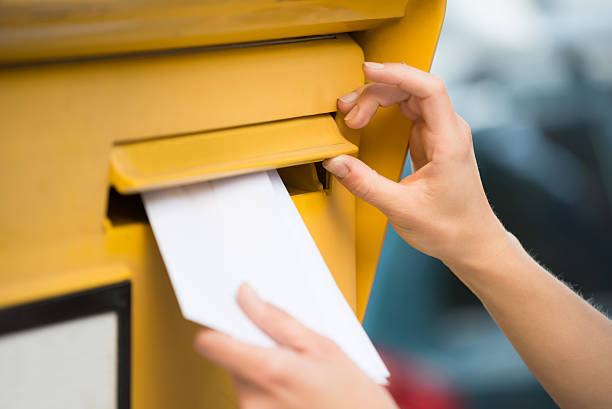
x=441, y=209
x=305, y=371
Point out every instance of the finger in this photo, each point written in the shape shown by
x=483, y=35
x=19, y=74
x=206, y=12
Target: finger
x=244, y=387
x=464, y=125
x=247, y=361
x=418, y=154
x=347, y=102
x=254, y=396
x=437, y=109
x=280, y=326
x=365, y=183
x=371, y=97
x=250, y=395
x=410, y=108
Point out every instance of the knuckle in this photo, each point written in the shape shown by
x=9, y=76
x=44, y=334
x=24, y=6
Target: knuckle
x=369, y=97
x=274, y=314
x=268, y=311
x=328, y=347
x=367, y=90
x=296, y=341
x=463, y=151
x=437, y=84
x=262, y=315
x=275, y=371
x=466, y=127
x=244, y=398
x=364, y=186
x=377, y=94
x=466, y=146
x=251, y=403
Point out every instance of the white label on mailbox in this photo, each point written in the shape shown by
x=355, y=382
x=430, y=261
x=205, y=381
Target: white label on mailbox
x=67, y=365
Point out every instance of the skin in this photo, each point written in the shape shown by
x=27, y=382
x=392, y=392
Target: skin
x=441, y=209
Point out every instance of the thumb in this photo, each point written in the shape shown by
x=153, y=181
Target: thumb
x=365, y=183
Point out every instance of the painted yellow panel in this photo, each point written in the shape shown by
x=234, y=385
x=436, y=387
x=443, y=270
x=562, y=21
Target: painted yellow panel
x=384, y=142
x=330, y=219
x=60, y=122
x=25, y=288
x=174, y=161
x=34, y=30
x=166, y=371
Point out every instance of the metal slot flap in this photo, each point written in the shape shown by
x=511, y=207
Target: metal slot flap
x=153, y=164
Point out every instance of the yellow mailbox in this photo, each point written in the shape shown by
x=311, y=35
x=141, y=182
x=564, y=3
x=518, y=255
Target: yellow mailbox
x=101, y=100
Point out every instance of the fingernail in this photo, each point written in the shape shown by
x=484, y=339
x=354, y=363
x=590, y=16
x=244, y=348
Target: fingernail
x=352, y=97
x=352, y=113
x=336, y=166
x=374, y=65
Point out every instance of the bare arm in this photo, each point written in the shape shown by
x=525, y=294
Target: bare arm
x=442, y=210
x=565, y=342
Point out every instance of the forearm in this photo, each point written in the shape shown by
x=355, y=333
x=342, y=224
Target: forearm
x=565, y=342
x=441, y=209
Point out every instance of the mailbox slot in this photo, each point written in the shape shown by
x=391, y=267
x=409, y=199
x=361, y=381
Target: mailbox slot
x=165, y=162
x=300, y=179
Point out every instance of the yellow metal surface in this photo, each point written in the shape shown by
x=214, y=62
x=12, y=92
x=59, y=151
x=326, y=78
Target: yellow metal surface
x=60, y=122
x=330, y=219
x=35, y=30
x=166, y=372
x=384, y=142
x=146, y=165
x=59, y=125
x=31, y=285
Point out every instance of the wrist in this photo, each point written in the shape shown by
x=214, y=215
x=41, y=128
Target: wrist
x=496, y=267
x=481, y=247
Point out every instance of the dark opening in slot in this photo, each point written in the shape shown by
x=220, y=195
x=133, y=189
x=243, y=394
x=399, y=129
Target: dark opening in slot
x=311, y=177
x=322, y=175
x=125, y=209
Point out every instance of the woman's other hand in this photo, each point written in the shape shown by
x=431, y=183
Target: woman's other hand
x=305, y=371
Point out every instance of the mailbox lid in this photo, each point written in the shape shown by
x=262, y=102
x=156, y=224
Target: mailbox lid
x=34, y=31
x=157, y=163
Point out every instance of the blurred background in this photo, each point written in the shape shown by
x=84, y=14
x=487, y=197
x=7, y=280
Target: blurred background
x=533, y=78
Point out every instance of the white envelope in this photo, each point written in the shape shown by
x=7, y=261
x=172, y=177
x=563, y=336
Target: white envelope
x=215, y=235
